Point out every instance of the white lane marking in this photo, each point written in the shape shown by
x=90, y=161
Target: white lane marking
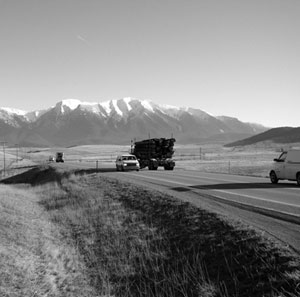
x=257, y=198
x=233, y=181
x=221, y=191
x=161, y=179
x=203, y=177
x=218, y=179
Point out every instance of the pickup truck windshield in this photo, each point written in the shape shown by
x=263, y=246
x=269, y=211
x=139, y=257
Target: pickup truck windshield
x=129, y=158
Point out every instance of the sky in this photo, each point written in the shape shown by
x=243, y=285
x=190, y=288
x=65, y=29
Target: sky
x=238, y=58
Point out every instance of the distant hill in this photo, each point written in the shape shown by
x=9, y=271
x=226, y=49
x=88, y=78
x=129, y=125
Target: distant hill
x=72, y=122
x=276, y=135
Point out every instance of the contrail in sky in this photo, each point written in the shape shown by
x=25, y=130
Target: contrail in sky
x=83, y=40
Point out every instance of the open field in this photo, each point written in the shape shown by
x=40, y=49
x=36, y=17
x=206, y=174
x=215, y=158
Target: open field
x=89, y=235
x=254, y=160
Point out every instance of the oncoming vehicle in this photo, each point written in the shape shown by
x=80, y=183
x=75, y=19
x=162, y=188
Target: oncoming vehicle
x=60, y=157
x=127, y=162
x=51, y=159
x=286, y=166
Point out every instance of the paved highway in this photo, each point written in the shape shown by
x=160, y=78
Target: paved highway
x=248, y=191
x=271, y=208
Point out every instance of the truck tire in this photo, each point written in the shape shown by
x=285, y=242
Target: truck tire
x=298, y=178
x=168, y=167
x=152, y=167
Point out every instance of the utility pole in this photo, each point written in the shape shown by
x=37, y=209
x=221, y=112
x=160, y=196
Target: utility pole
x=4, y=143
x=17, y=153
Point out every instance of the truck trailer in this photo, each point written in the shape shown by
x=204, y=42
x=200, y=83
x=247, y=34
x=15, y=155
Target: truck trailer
x=154, y=153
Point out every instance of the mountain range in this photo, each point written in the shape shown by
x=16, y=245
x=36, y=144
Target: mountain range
x=72, y=122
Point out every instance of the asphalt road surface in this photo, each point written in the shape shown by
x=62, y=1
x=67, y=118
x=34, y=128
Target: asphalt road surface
x=274, y=209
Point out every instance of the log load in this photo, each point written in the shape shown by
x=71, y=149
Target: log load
x=157, y=148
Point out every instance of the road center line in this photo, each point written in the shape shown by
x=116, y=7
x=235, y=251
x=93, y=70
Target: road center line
x=231, y=181
x=221, y=191
x=257, y=198
x=210, y=178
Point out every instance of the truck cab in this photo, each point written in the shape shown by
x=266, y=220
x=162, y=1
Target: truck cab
x=60, y=157
x=286, y=167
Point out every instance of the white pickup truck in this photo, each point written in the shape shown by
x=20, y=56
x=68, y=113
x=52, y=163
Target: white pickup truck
x=286, y=166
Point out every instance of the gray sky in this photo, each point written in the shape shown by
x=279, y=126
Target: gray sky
x=237, y=58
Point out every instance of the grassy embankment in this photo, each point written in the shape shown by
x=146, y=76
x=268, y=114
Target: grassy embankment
x=92, y=236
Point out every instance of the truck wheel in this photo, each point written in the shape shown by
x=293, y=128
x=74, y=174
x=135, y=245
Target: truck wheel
x=117, y=167
x=168, y=168
x=298, y=178
x=122, y=168
x=273, y=177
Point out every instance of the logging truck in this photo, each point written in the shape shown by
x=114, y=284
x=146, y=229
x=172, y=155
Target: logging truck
x=154, y=153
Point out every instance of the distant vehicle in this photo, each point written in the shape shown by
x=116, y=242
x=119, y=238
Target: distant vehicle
x=286, y=166
x=51, y=159
x=155, y=152
x=60, y=157
x=127, y=162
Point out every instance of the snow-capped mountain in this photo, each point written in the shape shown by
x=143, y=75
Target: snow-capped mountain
x=73, y=122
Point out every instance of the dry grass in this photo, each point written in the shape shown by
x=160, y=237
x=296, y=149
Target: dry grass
x=255, y=160
x=35, y=259
x=250, y=160
x=101, y=235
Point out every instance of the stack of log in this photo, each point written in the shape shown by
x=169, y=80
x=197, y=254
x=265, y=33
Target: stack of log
x=157, y=148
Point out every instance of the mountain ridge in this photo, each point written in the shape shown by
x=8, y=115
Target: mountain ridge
x=277, y=135
x=74, y=122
